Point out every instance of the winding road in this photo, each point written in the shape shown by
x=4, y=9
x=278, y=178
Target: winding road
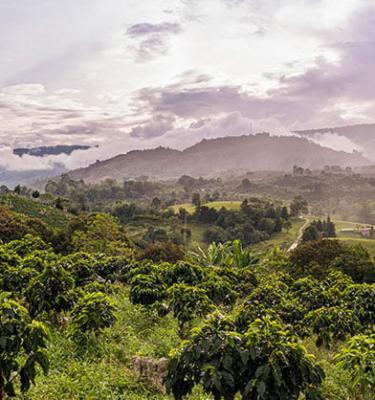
x=300, y=233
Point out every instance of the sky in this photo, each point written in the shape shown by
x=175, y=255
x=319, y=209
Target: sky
x=124, y=74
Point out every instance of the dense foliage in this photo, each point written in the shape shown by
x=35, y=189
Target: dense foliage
x=255, y=221
x=231, y=322
x=22, y=347
x=319, y=229
x=263, y=363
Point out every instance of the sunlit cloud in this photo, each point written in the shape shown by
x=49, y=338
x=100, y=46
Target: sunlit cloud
x=140, y=74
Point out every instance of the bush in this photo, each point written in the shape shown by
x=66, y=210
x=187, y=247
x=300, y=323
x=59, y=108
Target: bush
x=361, y=299
x=264, y=363
x=356, y=263
x=315, y=257
x=94, y=312
x=147, y=290
x=38, y=260
x=16, y=279
x=311, y=293
x=27, y=245
x=331, y=324
x=81, y=267
x=188, y=302
x=8, y=257
x=22, y=347
x=50, y=290
x=358, y=359
x=101, y=234
x=245, y=279
x=182, y=272
x=219, y=290
x=163, y=252
x=215, y=234
x=10, y=227
x=112, y=268
x=269, y=300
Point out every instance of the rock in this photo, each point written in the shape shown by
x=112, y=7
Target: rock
x=151, y=371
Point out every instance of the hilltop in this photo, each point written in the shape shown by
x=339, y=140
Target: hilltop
x=221, y=155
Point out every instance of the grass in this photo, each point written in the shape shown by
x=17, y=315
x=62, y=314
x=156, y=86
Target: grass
x=105, y=370
x=353, y=238
x=350, y=225
x=229, y=205
x=197, y=232
x=190, y=208
x=336, y=383
x=283, y=239
x=35, y=209
x=368, y=244
x=135, y=232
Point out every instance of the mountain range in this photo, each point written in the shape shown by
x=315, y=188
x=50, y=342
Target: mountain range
x=215, y=157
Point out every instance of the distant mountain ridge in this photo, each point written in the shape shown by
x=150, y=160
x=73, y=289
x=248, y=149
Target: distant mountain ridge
x=49, y=150
x=214, y=157
x=361, y=134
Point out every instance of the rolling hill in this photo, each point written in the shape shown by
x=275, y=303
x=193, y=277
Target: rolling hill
x=215, y=157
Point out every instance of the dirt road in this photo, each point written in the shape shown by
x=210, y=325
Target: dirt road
x=300, y=233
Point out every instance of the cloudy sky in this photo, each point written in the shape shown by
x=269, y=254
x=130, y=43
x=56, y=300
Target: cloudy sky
x=126, y=74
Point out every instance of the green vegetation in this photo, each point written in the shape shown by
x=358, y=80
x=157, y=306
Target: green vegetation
x=358, y=358
x=44, y=211
x=354, y=237
x=319, y=229
x=217, y=205
x=282, y=239
x=22, y=347
x=263, y=363
x=130, y=300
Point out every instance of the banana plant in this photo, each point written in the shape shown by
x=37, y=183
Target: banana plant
x=228, y=254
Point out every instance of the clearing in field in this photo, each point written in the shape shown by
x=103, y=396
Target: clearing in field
x=190, y=208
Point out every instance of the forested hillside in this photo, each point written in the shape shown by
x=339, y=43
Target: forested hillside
x=217, y=156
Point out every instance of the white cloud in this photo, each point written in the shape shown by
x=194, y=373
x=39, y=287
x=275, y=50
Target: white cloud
x=219, y=67
x=336, y=142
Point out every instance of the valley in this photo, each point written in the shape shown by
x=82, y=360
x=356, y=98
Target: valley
x=131, y=272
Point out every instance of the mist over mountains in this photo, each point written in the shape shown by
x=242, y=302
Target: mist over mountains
x=28, y=177
x=343, y=146
x=355, y=137
x=218, y=156
x=27, y=174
